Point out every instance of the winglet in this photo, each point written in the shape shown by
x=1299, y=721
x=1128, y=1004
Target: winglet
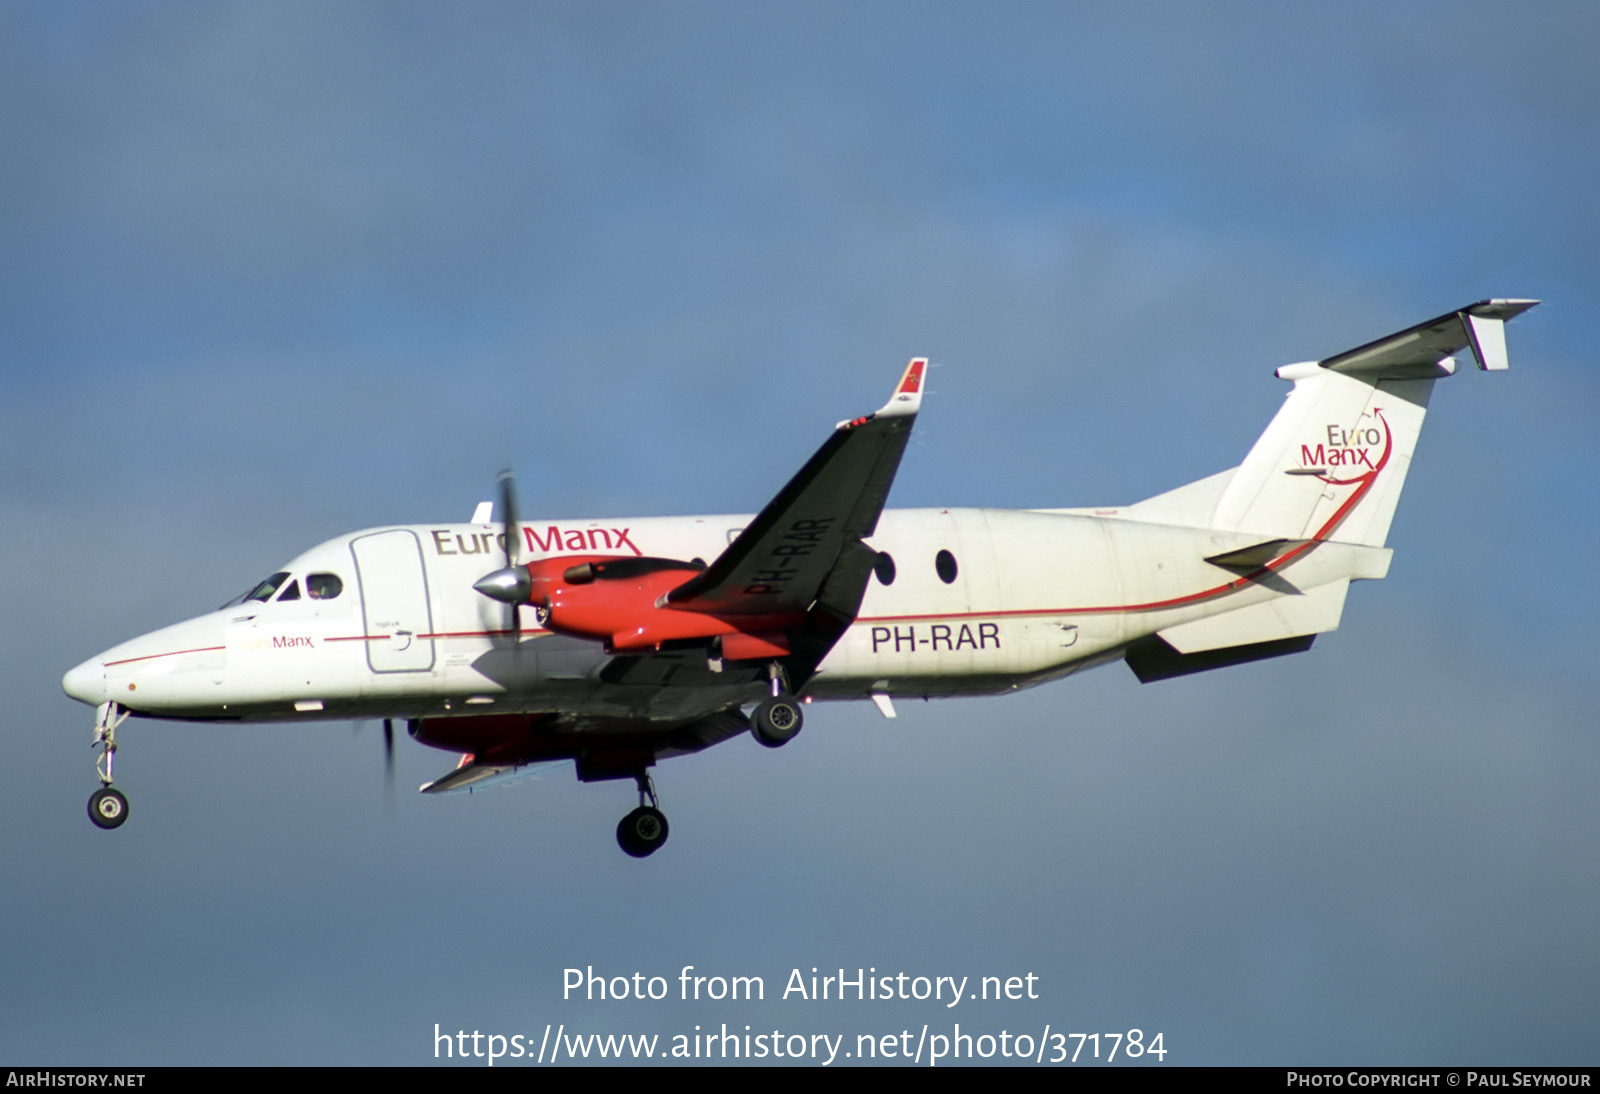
x=1486, y=329
x=906, y=400
x=907, y=397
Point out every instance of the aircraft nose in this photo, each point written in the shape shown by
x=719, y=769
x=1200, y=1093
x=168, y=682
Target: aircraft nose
x=87, y=682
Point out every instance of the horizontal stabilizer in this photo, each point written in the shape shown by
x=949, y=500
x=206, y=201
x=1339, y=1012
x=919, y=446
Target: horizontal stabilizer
x=1480, y=326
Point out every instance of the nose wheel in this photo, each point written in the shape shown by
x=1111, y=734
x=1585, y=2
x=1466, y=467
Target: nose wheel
x=643, y=831
x=108, y=808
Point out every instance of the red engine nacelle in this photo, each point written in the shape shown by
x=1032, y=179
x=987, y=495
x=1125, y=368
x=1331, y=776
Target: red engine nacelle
x=621, y=600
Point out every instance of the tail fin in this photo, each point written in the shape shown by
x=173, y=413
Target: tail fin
x=1333, y=460
x=1329, y=467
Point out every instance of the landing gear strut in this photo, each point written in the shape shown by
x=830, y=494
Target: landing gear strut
x=107, y=807
x=776, y=719
x=643, y=831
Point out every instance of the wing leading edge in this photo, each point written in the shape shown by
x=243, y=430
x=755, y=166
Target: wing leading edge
x=803, y=554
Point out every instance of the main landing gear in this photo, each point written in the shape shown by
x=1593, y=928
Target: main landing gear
x=643, y=831
x=776, y=719
x=774, y=722
x=107, y=807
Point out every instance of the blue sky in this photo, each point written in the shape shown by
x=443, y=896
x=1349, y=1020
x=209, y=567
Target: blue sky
x=274, y=272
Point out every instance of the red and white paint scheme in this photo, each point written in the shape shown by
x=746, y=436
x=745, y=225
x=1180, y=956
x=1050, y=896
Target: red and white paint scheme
x=612, y=644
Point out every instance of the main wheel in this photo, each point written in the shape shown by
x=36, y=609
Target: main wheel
x=107, y=807
x=777, y=720
x=642, y=832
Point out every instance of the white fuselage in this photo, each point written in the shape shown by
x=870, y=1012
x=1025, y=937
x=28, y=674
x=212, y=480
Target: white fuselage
x=614, y=644
x=1033, y=595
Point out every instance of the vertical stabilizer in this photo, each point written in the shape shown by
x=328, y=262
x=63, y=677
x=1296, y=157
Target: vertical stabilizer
x=1333, y=460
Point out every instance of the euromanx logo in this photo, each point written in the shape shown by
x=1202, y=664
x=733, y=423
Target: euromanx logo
x=1353, y=448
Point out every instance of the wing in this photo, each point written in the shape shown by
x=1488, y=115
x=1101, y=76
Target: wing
x=508, y=748
x=475, y=776
x=805, y=547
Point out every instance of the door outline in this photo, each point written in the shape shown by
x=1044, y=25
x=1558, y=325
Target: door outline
x=396, y=612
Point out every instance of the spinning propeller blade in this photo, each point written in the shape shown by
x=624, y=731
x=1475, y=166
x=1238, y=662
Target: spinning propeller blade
x=388, y=751
x=509, y=585
x=508, y=514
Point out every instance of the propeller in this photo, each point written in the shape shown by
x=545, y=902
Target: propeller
x=509, y=585
x=388, y=764
x=388, y=752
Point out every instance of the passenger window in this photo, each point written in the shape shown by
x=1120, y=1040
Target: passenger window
x=945, y=563
x=265, y=590
x=884, y=568
x=291, y=593
x=323, y=586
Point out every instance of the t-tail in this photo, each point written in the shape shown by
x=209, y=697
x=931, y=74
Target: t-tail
x=1331, y=464
x=1323, y=481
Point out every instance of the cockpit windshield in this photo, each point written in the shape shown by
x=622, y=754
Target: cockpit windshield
x=319, y=586
x=265, y=590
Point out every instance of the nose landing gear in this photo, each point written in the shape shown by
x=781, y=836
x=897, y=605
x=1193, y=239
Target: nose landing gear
x=107, y=806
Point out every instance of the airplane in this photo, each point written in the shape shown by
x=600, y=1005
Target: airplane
x=613, y=644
